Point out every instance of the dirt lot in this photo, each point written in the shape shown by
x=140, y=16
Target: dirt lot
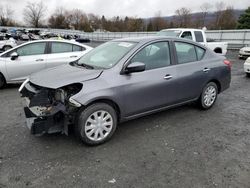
x=182, y=147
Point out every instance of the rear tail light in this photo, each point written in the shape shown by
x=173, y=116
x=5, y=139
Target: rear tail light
x=228, y=63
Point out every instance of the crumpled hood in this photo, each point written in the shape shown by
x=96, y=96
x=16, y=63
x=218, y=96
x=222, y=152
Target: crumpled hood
x=63, y=75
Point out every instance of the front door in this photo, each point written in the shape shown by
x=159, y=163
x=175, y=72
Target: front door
x=32, y=58
x=153, y=88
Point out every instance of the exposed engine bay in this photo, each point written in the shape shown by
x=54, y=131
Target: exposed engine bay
x=49, y=110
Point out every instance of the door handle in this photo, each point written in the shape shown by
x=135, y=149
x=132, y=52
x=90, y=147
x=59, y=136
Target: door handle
x=39, y=59
x=206, y=69
x=168, y=77
x=73, y=56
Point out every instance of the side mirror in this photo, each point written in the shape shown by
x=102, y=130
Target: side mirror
x=14, y=56
x=135, y=67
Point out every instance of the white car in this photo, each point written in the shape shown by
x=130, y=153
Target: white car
x=244, y=52
x=18, y=63
x=247, y=67
x=6, y=44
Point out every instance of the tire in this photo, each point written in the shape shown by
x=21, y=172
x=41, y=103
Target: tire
x=248, y=75
x=2, y=81
x=89, y=125
x=5, y=48
x=208, y=96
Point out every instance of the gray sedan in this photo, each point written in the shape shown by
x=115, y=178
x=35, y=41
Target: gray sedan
x=122, y=80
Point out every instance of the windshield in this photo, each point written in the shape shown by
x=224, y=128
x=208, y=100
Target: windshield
x=169, y=33
x=106, y=55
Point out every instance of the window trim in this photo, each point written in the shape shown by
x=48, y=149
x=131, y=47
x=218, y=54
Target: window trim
x=128, y=61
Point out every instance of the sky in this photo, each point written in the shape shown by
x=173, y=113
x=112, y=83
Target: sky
x=110, y=8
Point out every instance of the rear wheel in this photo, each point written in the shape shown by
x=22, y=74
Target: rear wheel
x=96, y=124
x=248, y=74
x=2, y=81
x=208, y=96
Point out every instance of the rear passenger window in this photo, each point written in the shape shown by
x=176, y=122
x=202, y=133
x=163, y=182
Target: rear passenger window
x=59, y=47
x=78, y=48
x=200, y=52
x=198, y=36
x=185, y=52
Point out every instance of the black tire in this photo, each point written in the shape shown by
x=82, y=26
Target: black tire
x=208, y=104
x=5, y=48
x=82, y=121
x=2, y=81
x=248, y=75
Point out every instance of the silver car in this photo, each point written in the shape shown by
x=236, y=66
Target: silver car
x=122, y=80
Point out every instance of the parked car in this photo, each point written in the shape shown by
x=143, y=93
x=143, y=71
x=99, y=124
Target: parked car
x=247, y=67
x=18, y=63
x=122, y=80
x=6, y=44
x=244, y=53
x=196, y=35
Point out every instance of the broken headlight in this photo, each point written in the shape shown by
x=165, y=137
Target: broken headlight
x=60, y=95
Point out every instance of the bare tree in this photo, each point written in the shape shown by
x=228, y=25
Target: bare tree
x=183, y=17
x=34, y=13
x=220, y=7
x=205, y=7
x=6, y=14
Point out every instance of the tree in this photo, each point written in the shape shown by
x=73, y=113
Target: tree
x=220, y=7
x=244, y=20
x=183, y=17
x=228, y=20
x=58, y=19
x=6, y=14
x=205, y=7
x=158, y=22
x=34, y=13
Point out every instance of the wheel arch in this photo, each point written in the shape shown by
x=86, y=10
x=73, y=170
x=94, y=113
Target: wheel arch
x=109, y=102
x=217, y=82
x=218, y=50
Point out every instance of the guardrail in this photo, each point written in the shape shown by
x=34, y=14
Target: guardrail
x=235, y=38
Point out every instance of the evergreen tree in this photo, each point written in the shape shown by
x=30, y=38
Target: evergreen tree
x=244, y=20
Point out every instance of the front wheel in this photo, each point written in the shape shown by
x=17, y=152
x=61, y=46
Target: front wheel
x=96, y=124
x=208, y=96
x=248, y=75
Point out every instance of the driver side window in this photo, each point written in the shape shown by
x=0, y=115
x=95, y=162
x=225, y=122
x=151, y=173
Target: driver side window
x=32, y=49
x=154, y=56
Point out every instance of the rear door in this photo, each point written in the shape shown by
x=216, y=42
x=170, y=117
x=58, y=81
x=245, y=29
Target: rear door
x=62, y=53
x=32, y=58
x=192, y=71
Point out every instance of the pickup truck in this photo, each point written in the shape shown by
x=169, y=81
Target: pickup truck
x=196, y=35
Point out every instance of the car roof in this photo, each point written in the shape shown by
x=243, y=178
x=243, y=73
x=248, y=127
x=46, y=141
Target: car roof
x=143, y=39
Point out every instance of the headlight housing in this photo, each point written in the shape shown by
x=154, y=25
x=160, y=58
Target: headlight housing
x=60, y=95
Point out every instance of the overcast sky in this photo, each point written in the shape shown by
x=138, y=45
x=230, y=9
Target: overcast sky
x=110, y=8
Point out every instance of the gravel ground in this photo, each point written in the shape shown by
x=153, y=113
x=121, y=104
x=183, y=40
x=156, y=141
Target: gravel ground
x=182, y=147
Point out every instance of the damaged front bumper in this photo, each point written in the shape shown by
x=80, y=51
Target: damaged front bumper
x=45, y=114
